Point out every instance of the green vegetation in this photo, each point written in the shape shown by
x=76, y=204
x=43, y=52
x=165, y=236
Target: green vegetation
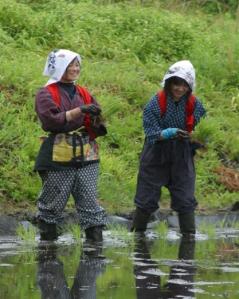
x=75, y=230
x=208, y=229
x=162, y=229
x=120, y=232
x=27, y=234
x=126, y=47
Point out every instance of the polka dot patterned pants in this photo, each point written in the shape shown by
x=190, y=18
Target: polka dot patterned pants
x=82, y=184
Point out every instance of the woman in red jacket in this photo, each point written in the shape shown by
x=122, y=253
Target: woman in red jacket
x=68, y=160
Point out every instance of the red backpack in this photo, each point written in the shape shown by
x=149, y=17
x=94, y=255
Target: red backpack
x=190, y=106
x=55, y=93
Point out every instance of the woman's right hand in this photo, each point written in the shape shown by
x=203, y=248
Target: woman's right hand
x=174, y=132
x=73, y=114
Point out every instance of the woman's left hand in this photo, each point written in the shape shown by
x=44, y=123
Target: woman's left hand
x=91, y=109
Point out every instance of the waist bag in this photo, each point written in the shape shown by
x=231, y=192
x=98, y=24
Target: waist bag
x=74, y=147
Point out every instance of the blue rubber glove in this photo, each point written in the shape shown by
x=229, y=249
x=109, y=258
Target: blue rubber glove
x=169, y=133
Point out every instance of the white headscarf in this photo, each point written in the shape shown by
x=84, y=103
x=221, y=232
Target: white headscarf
x=184, y=70
x=56, y=64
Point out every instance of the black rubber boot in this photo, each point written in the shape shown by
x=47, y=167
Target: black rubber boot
x=94, y=234
x=187, y=223
x=140, y=220
x=187, y=248
x=48, y=231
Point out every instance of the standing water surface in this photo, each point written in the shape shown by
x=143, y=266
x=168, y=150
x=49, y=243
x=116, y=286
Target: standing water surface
x=124, y=266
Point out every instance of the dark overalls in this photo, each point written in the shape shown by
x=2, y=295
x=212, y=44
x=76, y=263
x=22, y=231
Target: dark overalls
x=166, y=163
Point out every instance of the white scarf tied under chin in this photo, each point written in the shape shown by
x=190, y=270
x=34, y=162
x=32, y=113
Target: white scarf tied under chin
x=184, y=70
x=57, y=63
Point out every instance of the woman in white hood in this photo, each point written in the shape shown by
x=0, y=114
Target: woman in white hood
x=167, y=156
x=68, y=160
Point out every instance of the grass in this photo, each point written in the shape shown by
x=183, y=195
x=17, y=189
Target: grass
x=207, y=229
x=162, y=229
x=126, y=49
x=75, y=230
x=27, y=234
x=118, y=231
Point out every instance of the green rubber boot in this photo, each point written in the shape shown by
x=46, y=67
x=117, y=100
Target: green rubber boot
x=187, y=223
x=140, y=220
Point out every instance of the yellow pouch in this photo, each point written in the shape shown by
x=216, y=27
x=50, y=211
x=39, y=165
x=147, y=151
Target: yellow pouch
x=74, y=147
x=63, y=150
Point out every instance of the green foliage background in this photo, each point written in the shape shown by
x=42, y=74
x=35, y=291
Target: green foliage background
x=126, y=47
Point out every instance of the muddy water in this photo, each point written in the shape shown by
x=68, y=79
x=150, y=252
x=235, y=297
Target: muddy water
x=125, y=266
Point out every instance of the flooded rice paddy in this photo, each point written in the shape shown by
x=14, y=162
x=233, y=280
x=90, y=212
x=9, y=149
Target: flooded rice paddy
x=160, y=264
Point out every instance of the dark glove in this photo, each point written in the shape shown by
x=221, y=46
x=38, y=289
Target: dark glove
x=91, y=109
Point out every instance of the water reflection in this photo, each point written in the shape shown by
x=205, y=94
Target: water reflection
x=92, y=264
x=147, y=285
x=51, y=278
x=181, y=276
x=147, y=272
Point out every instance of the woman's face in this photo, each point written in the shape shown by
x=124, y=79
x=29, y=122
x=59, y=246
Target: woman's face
x=72, y=72
x=178, y=88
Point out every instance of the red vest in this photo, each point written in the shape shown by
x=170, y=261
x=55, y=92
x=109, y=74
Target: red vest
x=190, y=106
x=55, y=93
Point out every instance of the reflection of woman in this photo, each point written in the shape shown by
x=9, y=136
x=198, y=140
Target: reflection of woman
x=91, y=266
x=68, y=159
x=52, y=281
x=147, y=272
x=181, y=278
x=50, y=276
x=147, y=279
x=167, y=156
